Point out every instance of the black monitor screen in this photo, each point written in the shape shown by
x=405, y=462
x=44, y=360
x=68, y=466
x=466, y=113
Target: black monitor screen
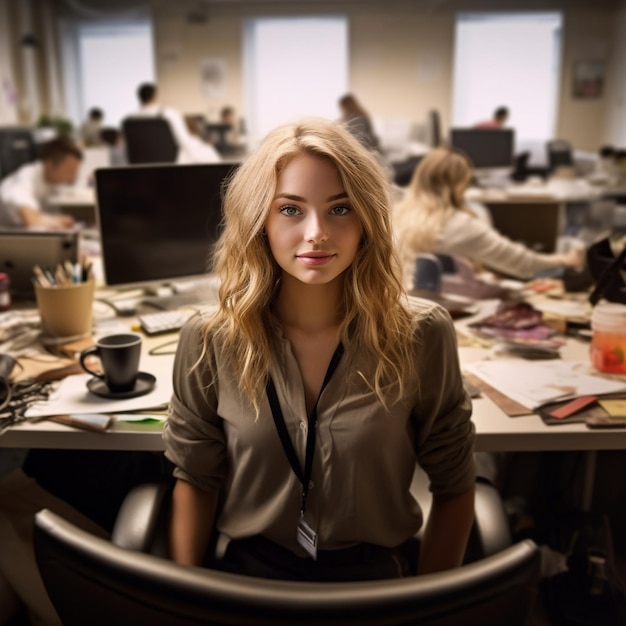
x=159, y=222
x=487, y=148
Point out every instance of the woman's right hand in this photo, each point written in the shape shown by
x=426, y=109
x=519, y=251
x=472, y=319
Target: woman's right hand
x=574, y=257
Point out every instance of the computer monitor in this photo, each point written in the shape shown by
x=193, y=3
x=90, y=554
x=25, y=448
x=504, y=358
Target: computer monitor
x=158, y=223
x=21, y=250
x=487, y=148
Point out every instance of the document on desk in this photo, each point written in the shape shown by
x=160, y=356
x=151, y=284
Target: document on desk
x=72, y=396
x=533, y=384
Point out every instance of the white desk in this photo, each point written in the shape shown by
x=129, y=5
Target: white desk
x=555, y=190
x=495, y=431
x=122, y=435
x=538, y=213
x=49, y=435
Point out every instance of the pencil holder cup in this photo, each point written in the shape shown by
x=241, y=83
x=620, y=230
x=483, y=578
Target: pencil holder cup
x=65, y=310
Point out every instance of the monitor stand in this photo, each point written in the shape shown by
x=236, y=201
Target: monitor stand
x=176, y=294
x=172, y=301
x=493, y=178
x=165, y=296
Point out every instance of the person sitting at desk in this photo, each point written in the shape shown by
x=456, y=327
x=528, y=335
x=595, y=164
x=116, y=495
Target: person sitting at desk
x=357, y=121
x=191, y=149
x=23, y=194
x=227, y=116
x=499, y=119
x=90, y=130
x=313, y=338
x=433, y=216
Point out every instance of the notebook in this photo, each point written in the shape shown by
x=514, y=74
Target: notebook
x=21, y=250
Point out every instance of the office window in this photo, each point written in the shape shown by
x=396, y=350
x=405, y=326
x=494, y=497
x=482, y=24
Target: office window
x=103, y=63
x=509, y=59
x=294, y=67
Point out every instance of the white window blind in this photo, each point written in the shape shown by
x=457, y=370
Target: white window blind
x=512, y=60
x=294, y=67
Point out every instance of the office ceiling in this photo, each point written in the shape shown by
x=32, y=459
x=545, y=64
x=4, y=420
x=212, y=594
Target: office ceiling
x=102, y=8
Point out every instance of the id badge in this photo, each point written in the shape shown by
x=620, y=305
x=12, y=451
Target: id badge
x=307, y=539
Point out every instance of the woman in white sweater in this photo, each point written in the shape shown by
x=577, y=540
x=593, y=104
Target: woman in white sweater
x=433, y=217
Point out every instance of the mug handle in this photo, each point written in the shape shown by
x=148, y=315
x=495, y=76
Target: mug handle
x=93, y=351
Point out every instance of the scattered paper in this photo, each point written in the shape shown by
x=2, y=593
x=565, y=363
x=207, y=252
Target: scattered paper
x=72, y=396
x=533, y=384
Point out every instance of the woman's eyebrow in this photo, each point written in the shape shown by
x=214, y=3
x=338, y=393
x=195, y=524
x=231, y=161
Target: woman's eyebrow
x=290, y=196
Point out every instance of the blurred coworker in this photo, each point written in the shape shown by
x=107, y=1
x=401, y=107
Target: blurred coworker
x=191, y=149
x=499, y=119
x=227, y=116
x=357, y=121
x=24, y=193
x=434, y=217
x=90, y=131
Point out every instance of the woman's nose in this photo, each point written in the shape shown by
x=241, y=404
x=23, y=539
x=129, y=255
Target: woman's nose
x=315, y=229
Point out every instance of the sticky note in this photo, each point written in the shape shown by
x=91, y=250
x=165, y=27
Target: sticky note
x=614, y=407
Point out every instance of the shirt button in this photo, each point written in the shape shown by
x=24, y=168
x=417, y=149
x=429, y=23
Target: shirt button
x=311, y=484
x=302, y=425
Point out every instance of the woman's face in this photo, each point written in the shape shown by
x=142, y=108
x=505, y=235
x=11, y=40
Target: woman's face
x=311, y=228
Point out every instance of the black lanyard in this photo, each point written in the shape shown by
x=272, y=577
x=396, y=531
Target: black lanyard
x=303, y=476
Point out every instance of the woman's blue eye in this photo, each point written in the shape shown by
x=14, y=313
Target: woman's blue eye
x=341, y=210
x=289, y=210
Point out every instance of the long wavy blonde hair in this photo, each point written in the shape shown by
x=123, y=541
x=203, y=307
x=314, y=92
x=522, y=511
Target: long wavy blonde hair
x=375, y=318
x=436, y=189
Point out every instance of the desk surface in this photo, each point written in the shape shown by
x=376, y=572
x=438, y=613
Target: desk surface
x=556, y=190
x=495, y=431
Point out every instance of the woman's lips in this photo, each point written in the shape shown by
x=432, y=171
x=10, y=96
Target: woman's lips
x=315, y=259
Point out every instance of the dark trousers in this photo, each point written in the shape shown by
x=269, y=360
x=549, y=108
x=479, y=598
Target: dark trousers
x=260, y=557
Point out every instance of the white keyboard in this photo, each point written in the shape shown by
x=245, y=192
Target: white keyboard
x=163, y=321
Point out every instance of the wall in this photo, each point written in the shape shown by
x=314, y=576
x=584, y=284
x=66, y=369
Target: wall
x=401, y=56
x=587, y=35
x=615, y=127
x=8, y=89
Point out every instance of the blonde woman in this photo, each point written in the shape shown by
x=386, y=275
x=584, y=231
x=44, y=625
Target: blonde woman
x=304, y=400
x=433, y=217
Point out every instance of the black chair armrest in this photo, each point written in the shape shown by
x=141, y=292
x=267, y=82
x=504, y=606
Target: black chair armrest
x=491, y=532
x=141, y=523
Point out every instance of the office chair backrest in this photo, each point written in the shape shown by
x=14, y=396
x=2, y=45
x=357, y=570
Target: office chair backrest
x=17, y=147
x=434, y=128
x=149, y=140
x=559, y=153
x=91, y=581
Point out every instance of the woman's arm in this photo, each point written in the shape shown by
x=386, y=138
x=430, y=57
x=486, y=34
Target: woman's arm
x=191, y=523
x=446, y=533
x=468, y=236
x=445, y=446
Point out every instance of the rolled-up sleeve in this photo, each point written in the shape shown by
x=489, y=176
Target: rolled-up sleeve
x=445, y=436
x=193, y=434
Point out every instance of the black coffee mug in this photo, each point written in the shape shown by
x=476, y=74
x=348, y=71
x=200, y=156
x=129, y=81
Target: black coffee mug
x=428, y=273
x=119, y=356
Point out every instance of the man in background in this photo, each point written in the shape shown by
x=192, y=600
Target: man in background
x=90, y=131
x=24, y=193
x=191, y=149
x=499, y=119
